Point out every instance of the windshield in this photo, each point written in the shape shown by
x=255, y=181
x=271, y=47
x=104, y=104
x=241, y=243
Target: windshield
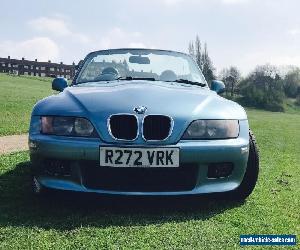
x=159, y=65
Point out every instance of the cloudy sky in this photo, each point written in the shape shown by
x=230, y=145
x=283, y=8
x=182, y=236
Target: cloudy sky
x=243, y=33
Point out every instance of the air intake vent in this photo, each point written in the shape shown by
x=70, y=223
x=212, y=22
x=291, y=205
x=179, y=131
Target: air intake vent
x=156, y=127
x=166, y=179
x=123, y=127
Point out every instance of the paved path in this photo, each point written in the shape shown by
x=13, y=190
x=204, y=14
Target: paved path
x=13, y=143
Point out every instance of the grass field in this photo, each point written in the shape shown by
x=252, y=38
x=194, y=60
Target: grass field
x=82, y=222
x=17, y=97
x=72, y=221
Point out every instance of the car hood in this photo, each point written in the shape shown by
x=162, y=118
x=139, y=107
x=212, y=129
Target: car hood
x=184, y=103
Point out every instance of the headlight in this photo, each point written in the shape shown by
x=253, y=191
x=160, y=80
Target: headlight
x=67, y=126
x=212, y=129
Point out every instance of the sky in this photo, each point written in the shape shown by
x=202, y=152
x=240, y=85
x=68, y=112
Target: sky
x=242, y=33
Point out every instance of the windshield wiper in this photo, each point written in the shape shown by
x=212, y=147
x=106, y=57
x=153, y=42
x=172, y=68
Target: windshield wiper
x=121, y=78
x=130, y=78
x=189, y=82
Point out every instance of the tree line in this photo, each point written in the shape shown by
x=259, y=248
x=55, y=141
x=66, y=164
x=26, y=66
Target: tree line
x=267, y=86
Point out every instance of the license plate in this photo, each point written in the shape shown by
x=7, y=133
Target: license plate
x=139, y=157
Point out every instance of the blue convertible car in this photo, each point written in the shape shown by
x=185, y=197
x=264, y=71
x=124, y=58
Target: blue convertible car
x=141, y=122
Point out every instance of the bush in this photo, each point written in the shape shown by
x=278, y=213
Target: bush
x=298, y=100
x=263, y=88
x=269, y=100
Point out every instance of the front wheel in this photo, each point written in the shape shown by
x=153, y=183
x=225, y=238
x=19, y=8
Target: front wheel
x=250, y=178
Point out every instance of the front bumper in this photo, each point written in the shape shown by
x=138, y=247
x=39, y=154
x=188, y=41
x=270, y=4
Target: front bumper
x=199, y=154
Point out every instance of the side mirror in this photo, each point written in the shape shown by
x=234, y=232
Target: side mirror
x=217, y=86
x=59, y=84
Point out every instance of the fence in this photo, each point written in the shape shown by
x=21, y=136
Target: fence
x=35, y=68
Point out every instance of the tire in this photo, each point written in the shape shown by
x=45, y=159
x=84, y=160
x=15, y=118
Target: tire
x=250, y=178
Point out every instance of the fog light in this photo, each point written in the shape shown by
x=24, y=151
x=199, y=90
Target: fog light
x=219, y=170
x=32, y=145
x=57, y=167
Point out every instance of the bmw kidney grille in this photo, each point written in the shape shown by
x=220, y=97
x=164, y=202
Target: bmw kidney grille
x=154, y=127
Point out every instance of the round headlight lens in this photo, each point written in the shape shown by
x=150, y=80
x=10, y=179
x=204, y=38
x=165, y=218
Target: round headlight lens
x=83, y=127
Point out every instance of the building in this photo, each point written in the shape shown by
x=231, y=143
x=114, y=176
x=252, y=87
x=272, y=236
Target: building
x=35, y=68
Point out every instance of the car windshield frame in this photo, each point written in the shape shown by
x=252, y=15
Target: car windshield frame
x=136, y=52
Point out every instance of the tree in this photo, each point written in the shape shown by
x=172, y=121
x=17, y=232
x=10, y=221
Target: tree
x=202, y=59
x=192, y=49
x=231, y=77
x=207, y=66
x=292, y=83
x=198, y=52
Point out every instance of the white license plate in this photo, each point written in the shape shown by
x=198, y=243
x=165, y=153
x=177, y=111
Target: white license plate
x=139, y=157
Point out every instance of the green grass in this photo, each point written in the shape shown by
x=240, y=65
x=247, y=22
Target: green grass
x=17, y=97
x=291, y=106
x=83, y=222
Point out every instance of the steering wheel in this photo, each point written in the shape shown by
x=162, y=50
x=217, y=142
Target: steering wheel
x=108, y=74
x=168, y=75
x=110, y=71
